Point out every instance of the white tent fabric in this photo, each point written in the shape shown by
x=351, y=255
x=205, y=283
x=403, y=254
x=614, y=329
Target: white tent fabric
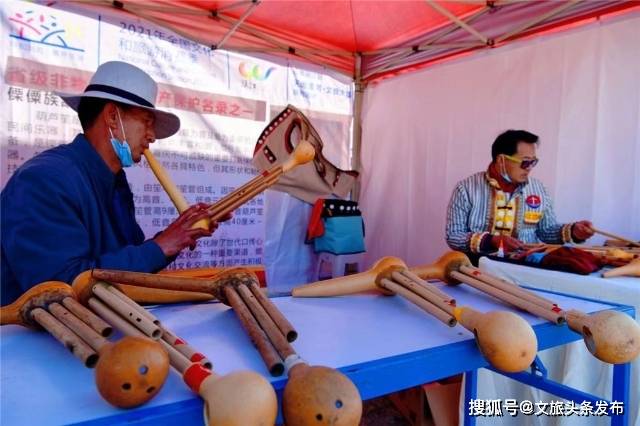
x=424, y=132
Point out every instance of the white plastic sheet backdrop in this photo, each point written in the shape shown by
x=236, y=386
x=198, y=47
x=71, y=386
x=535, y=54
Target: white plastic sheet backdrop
x=423, y=132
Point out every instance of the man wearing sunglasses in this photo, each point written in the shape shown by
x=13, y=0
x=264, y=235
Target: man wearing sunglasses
x=503, y=205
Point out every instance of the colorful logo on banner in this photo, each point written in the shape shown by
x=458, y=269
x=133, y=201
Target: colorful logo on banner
x=533, y=201
x=40, y=28
x=254, y=72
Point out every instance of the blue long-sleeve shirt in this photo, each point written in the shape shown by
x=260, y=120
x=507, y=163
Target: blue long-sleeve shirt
x=59, y=218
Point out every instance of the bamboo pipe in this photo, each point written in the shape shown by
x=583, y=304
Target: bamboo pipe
x=165, y=282
x=350, y=284
x=432, y=288
x=279, y=341
x=129, y=329
x=170, y=188
x=206, y=271
x=188, y=351
x=154, y=296
x=127, y=311
x=610, y=336
x=67, y=337
x=92, y=320
x=437, y=311
x=632, y=269
x=159, y=287
x=427, y=291
x=505, y=339
x=131, y=303
x=303, y=153
x=313, y=393
x=509, y=298
x=167, y=336
x=259, y=338
x=590, y=248
x=615, y=237
x=235, y=199
x=86, y=333
x=283, y=324
x=509, y=287
x=226, y=398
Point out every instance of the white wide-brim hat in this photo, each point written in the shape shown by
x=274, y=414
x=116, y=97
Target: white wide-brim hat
x=127, y=84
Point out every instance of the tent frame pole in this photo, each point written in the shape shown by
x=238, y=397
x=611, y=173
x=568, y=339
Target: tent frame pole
x=356, y=147
x=234, y=28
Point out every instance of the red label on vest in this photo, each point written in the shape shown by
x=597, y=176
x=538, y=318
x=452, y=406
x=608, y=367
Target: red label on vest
x=533, y=201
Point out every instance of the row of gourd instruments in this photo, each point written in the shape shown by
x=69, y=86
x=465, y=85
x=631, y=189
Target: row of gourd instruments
x=132, y=370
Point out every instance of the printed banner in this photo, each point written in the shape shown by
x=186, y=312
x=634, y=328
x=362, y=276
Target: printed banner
x=223, y=99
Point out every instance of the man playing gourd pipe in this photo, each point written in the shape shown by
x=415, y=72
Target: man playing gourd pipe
x=70, y=208
x=503, y=205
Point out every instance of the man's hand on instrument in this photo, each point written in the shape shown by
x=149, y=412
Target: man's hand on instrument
x=179, y=234
x=582, y=230
x=214, y=225
x=509, y=244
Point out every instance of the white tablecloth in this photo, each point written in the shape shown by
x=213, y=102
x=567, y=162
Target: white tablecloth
x=572, y=364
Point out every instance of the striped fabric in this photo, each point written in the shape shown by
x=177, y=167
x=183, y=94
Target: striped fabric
x=470, y=214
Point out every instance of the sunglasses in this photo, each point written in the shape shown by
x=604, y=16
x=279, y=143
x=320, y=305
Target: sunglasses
x=524, y=164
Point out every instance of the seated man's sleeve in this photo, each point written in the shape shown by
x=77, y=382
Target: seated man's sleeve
x=45, y=236
x=549, y=230
x=458, y=232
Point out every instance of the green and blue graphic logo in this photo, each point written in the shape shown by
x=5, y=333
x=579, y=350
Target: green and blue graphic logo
x=254, y=72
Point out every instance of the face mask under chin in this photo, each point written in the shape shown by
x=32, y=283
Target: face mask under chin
x=121, y=148
x=504, y=173
x=123, y=152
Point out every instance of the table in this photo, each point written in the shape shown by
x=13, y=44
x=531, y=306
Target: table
x=568, y=363
x=384, y=344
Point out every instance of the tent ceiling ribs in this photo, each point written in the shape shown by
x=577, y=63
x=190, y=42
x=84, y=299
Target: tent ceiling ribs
x=284, y=48
x=537, y=20
x=120, y=4
x=248, y=29
x=136, y=10
x=392, y=60
x=444, y=11
x=237, y=25
x=532, y=23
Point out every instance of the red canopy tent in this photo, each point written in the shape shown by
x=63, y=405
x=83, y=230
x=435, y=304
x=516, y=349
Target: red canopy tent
x=364, y=39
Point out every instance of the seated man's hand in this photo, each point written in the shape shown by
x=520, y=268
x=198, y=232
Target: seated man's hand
x=179, y=234
x=214, y=225
x=509, y=244
x=582, y=230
